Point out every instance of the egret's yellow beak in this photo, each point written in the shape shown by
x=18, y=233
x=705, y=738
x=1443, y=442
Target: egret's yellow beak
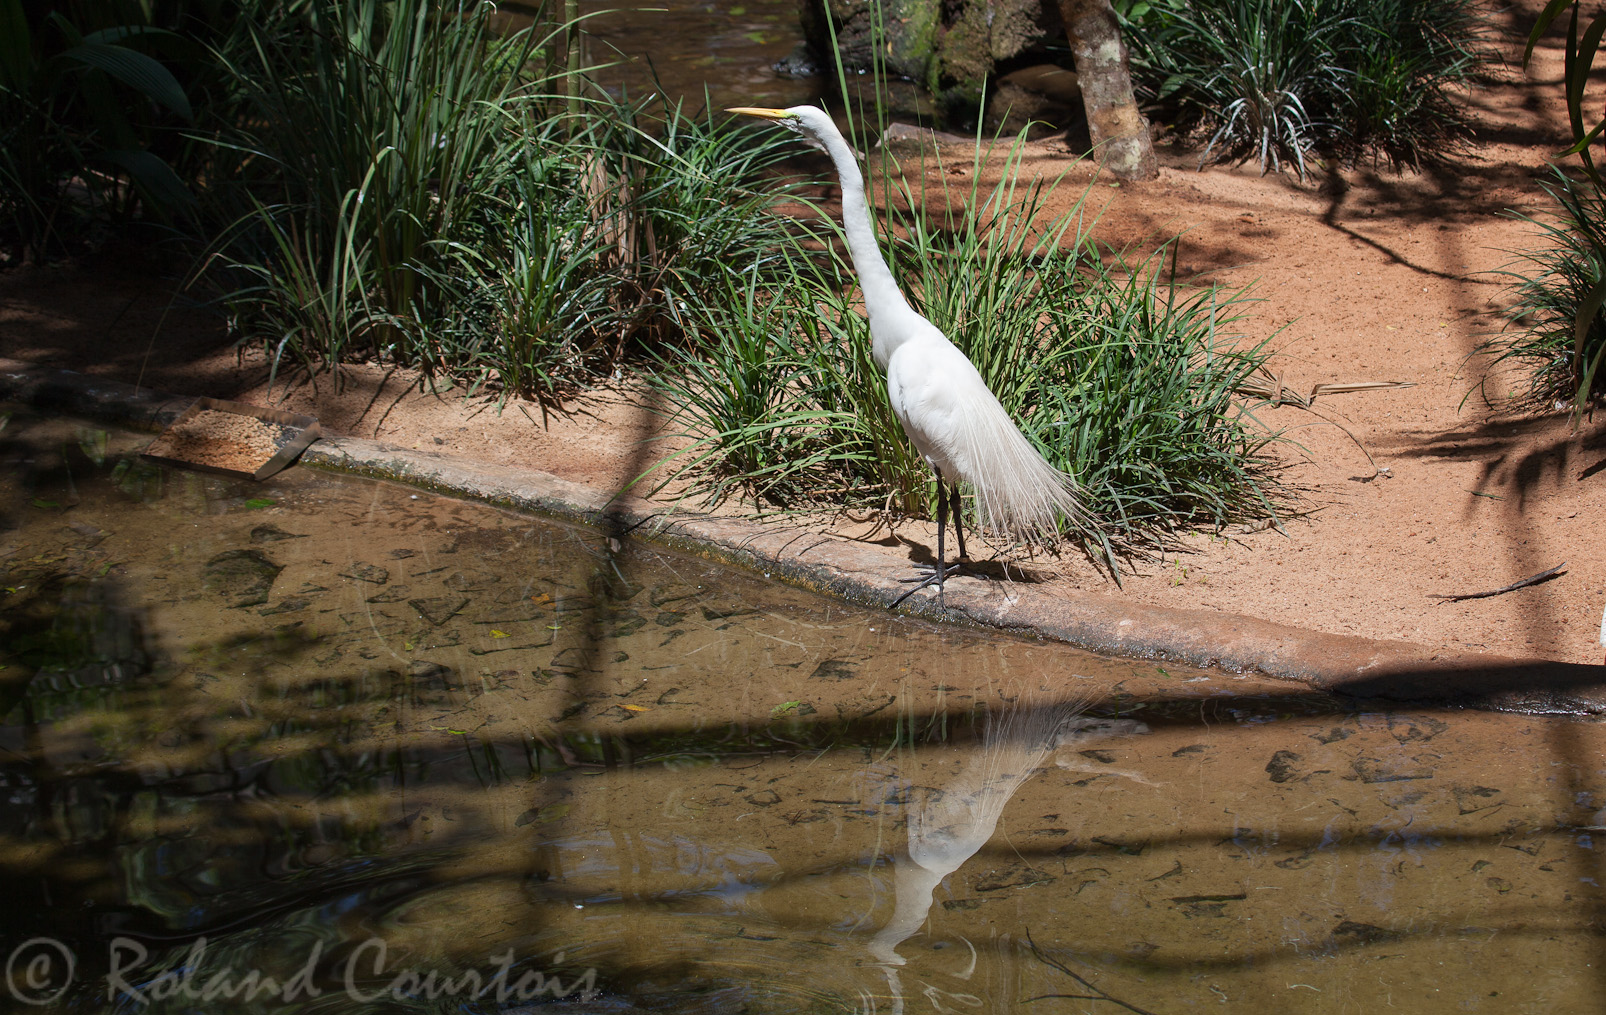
x=767, y=114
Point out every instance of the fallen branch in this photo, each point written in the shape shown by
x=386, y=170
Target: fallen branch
x=1262, y=383
x=1535, y=580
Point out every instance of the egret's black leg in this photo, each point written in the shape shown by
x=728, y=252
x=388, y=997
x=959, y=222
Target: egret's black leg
x=959, y=525
x=942, y=570
x=942, y=524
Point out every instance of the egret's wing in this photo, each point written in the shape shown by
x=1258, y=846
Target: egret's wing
x=960, y=427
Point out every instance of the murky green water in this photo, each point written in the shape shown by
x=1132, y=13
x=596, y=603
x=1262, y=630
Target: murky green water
x=389, y=752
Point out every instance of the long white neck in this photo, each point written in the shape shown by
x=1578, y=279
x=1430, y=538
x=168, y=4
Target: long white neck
x=881, y=296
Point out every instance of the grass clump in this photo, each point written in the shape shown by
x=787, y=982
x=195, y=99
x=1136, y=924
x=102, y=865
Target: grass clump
x=1275, y=79
x=371, y=144
x=1557, y=291
x=746, y=399
x=1410, y=58
x=402, y=184
x=1569, y=279
x=381, y=180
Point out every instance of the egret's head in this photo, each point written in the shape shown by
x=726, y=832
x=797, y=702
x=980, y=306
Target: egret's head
x=811, y=123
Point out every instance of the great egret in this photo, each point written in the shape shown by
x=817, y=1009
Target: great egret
x=954, y=420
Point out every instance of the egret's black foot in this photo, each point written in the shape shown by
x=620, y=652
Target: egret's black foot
x=934, y=577
x=928, y=574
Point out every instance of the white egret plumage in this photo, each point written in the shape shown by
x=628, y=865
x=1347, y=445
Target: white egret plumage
x=946, y=408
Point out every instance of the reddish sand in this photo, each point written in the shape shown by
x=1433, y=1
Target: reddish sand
x=1371, y=275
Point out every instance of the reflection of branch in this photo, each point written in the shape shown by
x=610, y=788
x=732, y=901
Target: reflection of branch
x=1096, y=995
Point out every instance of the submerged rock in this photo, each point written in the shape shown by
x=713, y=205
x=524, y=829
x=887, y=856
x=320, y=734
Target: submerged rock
x=438, y=609
x=244, y=577
x=365, y=572
x=272, y=534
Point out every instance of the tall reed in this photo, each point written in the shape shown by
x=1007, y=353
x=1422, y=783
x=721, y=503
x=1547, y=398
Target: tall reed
x=408, y=186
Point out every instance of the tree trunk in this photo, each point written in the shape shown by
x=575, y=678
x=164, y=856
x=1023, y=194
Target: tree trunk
x=1120, y=133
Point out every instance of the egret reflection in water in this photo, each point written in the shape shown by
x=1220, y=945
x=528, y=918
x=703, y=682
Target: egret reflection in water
x=951, y=818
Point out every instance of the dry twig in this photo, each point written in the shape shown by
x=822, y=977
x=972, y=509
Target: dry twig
x=1535, y=580
x=1265, y=384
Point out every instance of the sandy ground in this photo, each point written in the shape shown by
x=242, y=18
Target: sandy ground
x=1369, y=274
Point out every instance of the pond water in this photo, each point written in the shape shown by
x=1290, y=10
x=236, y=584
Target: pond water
x=692, y=50
x=348, y=746
x=710, y=56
